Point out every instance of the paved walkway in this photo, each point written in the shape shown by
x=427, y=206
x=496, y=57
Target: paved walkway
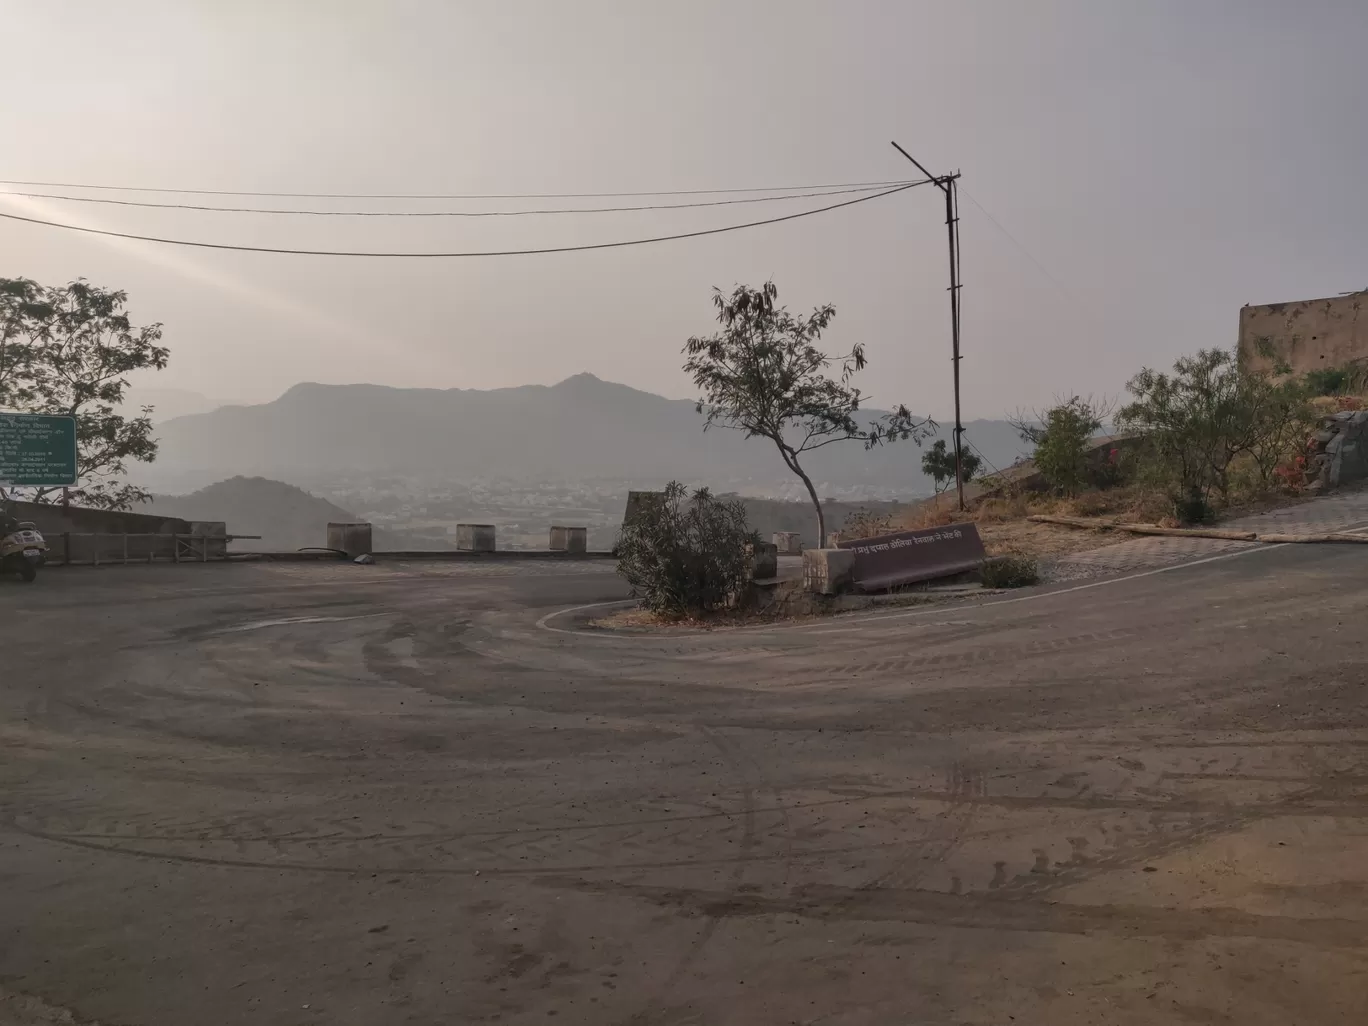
x=1331, y=513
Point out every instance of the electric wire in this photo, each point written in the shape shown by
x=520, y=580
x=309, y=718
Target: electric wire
x=469, y=253
x=447, y=196
x=442, y=213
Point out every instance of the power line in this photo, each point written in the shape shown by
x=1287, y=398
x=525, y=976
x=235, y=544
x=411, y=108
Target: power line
x=447, y=196
x=475, y=253
x=1015, y=242
x=442, y=213
x=1065, y=292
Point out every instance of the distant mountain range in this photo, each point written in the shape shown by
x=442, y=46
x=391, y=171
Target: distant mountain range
x=167, y=403
x=582, y=429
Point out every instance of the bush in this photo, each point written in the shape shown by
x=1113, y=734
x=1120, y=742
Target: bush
x=1193, y=508
x=1196, y=422
x=1061, y=435
x=1326, y=381
x=1010, y=572
x=686, y=554
x=938, y=463
x=865, y=523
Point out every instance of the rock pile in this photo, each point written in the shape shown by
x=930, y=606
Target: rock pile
x=1338, y=452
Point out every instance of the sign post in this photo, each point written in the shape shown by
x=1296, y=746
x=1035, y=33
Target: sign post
x=37, y=450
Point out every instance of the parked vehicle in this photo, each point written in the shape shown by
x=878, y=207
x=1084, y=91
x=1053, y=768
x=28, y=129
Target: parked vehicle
x=22, y=548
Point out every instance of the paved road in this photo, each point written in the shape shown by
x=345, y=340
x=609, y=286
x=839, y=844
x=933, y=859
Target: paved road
x=370, y=795
x=1343, y=511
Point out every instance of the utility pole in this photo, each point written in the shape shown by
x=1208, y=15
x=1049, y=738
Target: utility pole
x=948, y=185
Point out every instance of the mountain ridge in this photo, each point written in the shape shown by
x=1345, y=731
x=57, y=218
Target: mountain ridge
x=581, y=428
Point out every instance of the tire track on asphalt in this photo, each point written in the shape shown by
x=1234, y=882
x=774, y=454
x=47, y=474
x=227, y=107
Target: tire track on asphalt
x=654, y=1004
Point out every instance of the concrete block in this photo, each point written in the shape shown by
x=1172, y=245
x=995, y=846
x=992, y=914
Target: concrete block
x=789, y=543
x=475, y=537
x=828, y=571
x=353, y=539
x=215, y=535
x=764, y=561
x=569, y=539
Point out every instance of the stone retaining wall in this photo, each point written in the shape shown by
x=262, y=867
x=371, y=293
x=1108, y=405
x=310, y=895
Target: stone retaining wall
x=1338, y=453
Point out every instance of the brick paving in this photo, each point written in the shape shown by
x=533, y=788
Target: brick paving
x=1332, y=513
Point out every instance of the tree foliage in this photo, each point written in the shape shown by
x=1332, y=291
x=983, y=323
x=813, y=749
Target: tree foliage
x=1196, y=422
x=1060, y=436
x=763, y=374
x=938, y=462
x=686, y=554
x=69, y=350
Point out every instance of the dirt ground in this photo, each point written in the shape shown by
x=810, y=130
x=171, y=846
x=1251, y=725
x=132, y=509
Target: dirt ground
x=283, y=795
x=1044, y=541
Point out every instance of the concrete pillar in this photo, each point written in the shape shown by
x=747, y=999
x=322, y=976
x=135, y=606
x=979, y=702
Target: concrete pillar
x=569, y=539
x=353, y=539
x=214, y=535
x=828, y=571
x=764, y=561
x=475, y=537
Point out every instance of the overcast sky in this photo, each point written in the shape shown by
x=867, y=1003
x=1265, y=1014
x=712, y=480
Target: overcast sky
x=1161, y=164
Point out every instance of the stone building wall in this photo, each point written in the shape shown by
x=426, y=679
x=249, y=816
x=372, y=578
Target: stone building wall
x=1307, y=335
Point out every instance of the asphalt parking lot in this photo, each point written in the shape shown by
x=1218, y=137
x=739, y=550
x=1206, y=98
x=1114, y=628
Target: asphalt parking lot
x=424, y=793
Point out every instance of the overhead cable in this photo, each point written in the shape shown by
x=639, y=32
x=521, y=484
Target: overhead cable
x=470, y=253
x=442, y=213
x=447, y=196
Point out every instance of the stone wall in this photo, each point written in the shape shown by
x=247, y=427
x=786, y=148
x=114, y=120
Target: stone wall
x=1307, y=335
x=1339, y=451
x=53, y=518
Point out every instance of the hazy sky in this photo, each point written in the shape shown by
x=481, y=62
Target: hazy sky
x=1164, y=162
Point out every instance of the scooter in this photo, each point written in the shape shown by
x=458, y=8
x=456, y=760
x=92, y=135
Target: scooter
x=22, y=548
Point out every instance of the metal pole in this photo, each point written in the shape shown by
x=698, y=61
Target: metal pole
x=952, y=228
x=948, y=186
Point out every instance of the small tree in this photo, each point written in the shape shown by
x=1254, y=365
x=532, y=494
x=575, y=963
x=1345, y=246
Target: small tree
x=69, y=350
x=1060, y=436
x=1197, y=421
x=938, y=462
x=763, y=374
x=1283, y=418
x=686, y=555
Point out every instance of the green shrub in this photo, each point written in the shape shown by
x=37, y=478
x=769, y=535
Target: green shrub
x=1349, y=379
x=938, y=463
x=686, y=554
x=1061, y=435
x=1193, y=508
x=1196, y=422
x=1326, y=381
x=1010, y=572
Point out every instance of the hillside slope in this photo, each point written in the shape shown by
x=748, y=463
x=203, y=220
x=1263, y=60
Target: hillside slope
x=286, y=517
x=581, y=429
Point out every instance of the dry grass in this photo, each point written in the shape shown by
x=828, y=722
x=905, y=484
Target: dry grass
x=1005, y=530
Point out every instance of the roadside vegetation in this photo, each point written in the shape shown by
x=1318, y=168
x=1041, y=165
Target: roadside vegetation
x=687, y=555
x=68, y=349
x=764, y=375
x=1186, y=447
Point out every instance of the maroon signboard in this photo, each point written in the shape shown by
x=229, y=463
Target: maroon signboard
x=910, y=556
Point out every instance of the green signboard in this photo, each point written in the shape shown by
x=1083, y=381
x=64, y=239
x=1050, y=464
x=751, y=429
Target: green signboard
x=37, y=449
